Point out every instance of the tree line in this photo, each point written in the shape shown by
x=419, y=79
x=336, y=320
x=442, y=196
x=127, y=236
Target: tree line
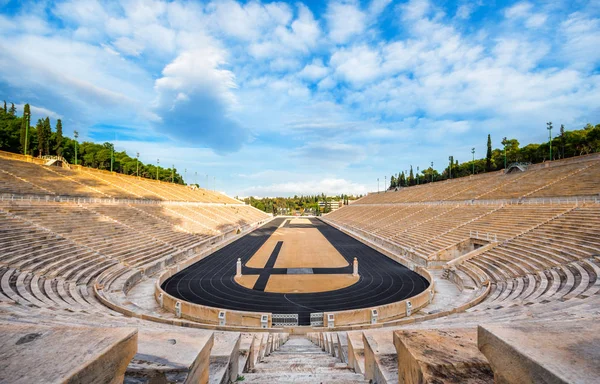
x=302, y=203
x=18, y=136
x=564, y=145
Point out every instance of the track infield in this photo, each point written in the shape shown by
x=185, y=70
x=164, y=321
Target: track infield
x=211, y=281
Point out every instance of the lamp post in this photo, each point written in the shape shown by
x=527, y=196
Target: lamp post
x=432, y=171
x=473, y=152
x=76, y=134
x=157, y=165
x=549, y=128
x=137, y=164
x=112, y=156
x=504, y=142
x=27, y=119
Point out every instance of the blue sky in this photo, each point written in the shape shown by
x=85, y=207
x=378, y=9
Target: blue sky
x=283, y=98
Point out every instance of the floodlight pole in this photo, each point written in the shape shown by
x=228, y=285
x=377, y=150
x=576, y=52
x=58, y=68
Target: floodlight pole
x=549, y=128
x=27, y=133
x=157, y=165
x=432, y=171
x=504, y=142
x=473, y=152
x=76, y=134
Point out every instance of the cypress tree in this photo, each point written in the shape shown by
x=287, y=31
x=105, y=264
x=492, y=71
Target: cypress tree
x=25, y=123
x=5, y=110
x=12, y=111
x=488, y=156
x=411, y=177
x=59, y=138
x=40, y=134
x=47, y=135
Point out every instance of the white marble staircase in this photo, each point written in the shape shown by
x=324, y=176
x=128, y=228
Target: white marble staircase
x=301, y=361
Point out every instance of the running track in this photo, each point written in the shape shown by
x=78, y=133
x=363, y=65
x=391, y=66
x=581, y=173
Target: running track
x=210, y=281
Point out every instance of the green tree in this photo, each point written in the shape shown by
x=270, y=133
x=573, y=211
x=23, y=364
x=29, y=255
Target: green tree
x=411, y=177
x=5, y=110
x=488, y=156
x=12, y=111
x=47, y=135
x=39, y=127
x=58, y=139
x=25, y=124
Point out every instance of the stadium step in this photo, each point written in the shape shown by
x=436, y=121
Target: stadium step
x=301, y=361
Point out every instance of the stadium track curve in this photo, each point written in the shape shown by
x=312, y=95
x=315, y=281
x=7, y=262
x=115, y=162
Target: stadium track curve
x=210, y=281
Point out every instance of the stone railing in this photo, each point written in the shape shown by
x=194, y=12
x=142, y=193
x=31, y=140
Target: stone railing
x=95, y=200
x=515, y=201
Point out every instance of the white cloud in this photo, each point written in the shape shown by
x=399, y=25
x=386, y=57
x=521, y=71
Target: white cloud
x=580, y=38
x=357, y=65
x=519, y=10
x=195, y=98
x=344, y=21
x=314, y=71
x=329, y=186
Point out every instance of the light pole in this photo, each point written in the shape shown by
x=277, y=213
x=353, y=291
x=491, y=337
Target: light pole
x=112, y=156
x=473, y=152
x=27, y=118
x=385, y=183
x=417, y=175
x=196, y=178
x=76, y=134
x=137, y=164
x=549, y=128
x=504, y=142
x=185, y=174
x=214, y=183
x=173, y=174
x=157, y=165
x=378, y=185
x=432, y=171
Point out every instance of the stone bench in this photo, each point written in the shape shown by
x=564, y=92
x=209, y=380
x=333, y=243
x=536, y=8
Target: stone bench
x=552, y=352
x=35, y=354
x=440, y=356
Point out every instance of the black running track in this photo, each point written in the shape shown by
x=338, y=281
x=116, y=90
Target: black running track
x=211, y=282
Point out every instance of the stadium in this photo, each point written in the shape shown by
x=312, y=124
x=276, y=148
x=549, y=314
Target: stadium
x=299, y=191
x=492, y=275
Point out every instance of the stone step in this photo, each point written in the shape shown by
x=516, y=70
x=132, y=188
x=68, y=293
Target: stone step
x=301, y=367
x=291, y=377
